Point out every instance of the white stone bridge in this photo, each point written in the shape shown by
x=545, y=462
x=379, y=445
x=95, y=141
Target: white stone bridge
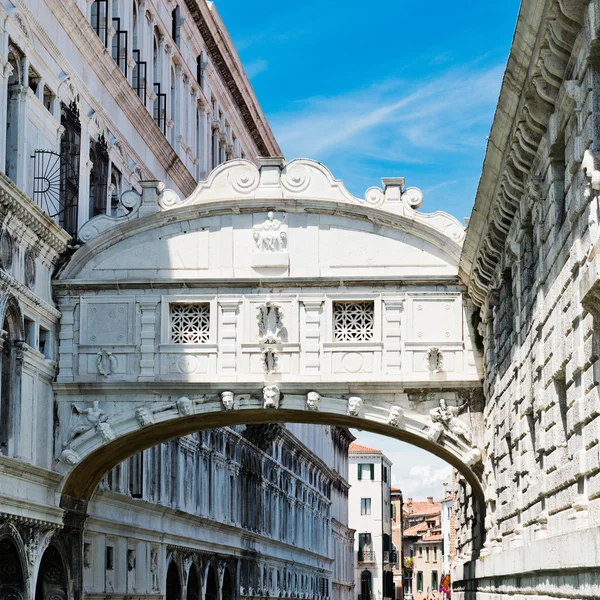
x=270, y=295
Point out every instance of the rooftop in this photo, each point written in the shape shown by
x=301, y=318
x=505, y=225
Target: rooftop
x=360, y=449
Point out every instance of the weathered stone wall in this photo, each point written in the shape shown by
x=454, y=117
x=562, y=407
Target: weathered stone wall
x=542, y=461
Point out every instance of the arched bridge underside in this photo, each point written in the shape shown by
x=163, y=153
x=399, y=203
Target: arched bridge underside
x=102, y=448
x=270, y=295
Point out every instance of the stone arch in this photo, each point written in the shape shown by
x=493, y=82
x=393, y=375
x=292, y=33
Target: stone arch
x=52, y=579
x=211, y=586
x=194, y=588
x=13, y=565
x=227, y=585
x=11, y=336
x=173, y=581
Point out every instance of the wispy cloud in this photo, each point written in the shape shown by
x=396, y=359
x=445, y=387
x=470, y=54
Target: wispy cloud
x=254, y=68
x=385, y=119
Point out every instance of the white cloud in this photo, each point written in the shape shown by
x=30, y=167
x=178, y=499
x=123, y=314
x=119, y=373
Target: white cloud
x=393, y=118
x=254, y=68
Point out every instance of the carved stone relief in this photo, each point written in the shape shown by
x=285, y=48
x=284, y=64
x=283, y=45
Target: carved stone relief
x=271, y=235
x=446, y=417
x=228, y=400
x=270, y=323
x=144, y=416
x=85, y=419
x=270, y=361
x=6, y=251
x=104, y=430
x=396, y=417
x=434, y=360
x=106, y=363
x=313, y=399
x=184, y=406
x=271, y=396
x=355, y=405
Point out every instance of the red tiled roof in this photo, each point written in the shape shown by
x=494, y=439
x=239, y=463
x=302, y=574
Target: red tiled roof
x=360, y=449
x=417, y=529
x=422, y=508
x=434, y=537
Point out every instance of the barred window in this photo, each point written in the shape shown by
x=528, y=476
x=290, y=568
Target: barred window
x=353, y=321
x=190, y=323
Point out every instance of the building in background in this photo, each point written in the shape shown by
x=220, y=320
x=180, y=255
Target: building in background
x=96, y=99
x=448, y=537
x=370, y=515
x=422, y=548
x=397, y=532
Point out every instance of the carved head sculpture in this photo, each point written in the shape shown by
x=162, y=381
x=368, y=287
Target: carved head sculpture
x=271, y=396
x=270, y=215
x=396, y=416
x=355, y=405
x=69, y=457
x=144, y=416
x=227, y=400
x=313, y=399
x=184, y=406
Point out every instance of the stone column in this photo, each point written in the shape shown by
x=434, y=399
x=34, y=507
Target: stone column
x=312, y=336
x=66, y=346
x=393, y=336
x=228, y=336
x=148, y=336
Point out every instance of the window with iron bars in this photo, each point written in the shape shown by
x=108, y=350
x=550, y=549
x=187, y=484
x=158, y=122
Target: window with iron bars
x=353, y=321
x=190, y=323
x=119, y=45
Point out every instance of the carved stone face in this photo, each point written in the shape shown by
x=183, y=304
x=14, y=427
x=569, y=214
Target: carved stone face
x=313, y=399
x=144, y=416
x=354, y=406
x=184, y=406
x=271, y=396
x=227, y=400
x=396, y=416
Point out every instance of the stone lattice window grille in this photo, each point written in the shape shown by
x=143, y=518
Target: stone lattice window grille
x=190, y=323
x=353, y=321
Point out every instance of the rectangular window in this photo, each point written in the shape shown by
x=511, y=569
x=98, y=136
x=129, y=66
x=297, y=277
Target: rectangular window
x=365, y=506
x=427, y=554
x=393, y=512
x=384, y=473
x=49, y=99
x=190, y=323
x=44, y=342
x=421, y=551
x=110, y=558
x=434, y=581
x=435, y=554
x=30, y=332
x=419, y=581
x=353, y=321
x=366, y=471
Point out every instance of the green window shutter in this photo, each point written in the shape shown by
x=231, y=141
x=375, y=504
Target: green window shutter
x=359, y=472
x=372, y=472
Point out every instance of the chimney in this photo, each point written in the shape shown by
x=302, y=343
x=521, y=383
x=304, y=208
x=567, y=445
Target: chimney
x=430, y=499
x=410, y=500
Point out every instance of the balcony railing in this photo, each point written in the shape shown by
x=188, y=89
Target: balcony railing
x=139, y=76
x=56, y=188
x=366, y=556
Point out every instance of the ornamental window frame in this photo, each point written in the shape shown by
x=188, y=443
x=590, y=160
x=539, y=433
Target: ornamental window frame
x=376, y=339
x=168, y=301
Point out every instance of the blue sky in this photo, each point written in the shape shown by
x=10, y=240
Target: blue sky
x=381, y=89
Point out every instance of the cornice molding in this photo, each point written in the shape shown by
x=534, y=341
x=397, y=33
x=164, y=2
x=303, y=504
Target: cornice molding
x=99, y=59
x=545, y=36
x=16, y=203
x=226, y=66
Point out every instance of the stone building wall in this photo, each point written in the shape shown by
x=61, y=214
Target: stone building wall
x=529, y=259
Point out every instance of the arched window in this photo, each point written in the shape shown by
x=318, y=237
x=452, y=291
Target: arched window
x=193, y=585
x=52, y=580
x=173, y=583
x=98, y=176
x=211, y=584
x=173, y=114
x=12, y=581
x=227, y=589
x=15, y=87
x=10, y=336
x=176, y=25
x=366, y=585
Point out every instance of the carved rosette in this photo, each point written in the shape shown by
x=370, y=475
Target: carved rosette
x=244, y=179
x=295, y=179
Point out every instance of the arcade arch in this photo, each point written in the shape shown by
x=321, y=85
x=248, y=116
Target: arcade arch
x=52, y=582
x=12, y=575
